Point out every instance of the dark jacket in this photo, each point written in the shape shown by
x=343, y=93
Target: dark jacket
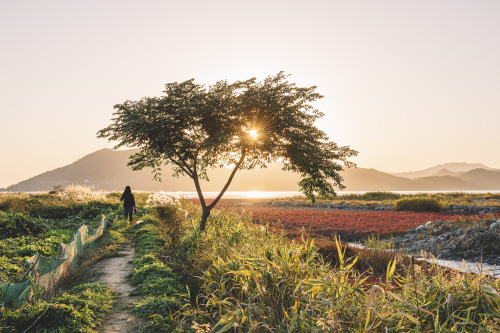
x=128, y=200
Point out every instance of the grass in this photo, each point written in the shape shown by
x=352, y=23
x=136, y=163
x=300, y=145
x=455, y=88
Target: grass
x=153, y=277
x=241, y=277
x=254, y=280
x=81, y=309
x=389, y=198
x=73, y=306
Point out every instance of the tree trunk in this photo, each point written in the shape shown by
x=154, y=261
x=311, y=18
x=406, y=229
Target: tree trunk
x=207, y=209
x=204, y=217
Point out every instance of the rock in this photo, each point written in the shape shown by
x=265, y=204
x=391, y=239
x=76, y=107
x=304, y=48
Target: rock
x=421, y=228
x=436, y=231
x=428, y=223
x=494, y=225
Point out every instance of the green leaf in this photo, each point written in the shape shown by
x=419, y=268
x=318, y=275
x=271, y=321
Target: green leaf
x=314, y=282
x=243, y=272
x=227, y=326
x=491, y=292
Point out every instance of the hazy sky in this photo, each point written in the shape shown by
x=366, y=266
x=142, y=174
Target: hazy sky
x=409, y=84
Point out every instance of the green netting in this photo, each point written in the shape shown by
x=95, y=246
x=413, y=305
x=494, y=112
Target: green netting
x=15, y=294
x=49, y=271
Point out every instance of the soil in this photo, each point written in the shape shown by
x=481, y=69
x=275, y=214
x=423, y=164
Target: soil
x=113, y=272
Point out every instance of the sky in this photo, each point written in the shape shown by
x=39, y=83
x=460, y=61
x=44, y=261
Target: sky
x=409, y=84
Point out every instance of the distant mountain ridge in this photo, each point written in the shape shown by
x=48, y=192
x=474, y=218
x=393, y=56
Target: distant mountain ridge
x=447, y=169
x=107, y=170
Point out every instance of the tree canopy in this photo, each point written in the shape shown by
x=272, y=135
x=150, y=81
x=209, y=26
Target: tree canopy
x=246, y=124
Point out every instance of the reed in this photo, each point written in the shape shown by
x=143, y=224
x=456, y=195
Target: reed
x=253, y=280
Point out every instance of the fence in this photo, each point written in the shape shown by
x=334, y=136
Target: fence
x=50, y=271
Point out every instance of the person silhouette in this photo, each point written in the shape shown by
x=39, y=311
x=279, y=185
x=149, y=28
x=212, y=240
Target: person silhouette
x=128, y=203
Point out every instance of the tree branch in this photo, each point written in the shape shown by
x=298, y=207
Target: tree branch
x=243, y=152
x=184, y=162
x=183, y=168
x=197, y=182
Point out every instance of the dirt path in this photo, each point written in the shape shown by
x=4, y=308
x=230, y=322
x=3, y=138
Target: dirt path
x=114, y=271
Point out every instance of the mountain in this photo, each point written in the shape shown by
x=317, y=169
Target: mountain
x=361, y=179
x=486, y=179
x=446, y=183
x=104, y=169
x=449, y=167
x=446, y=172
x=107, y=170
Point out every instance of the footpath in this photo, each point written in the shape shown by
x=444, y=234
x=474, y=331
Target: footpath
x=113, y=272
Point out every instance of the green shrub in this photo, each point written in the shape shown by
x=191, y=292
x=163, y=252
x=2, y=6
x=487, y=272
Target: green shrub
x=159, y=308
x=165, y=213
x=8, y=203
x=16, y=224
x=79, y=310
x=88, y=210
x=145, y=260
x=381, y=196
x=148, y=240
x=154, y=278
x=151, y=275
x=418, y=205
x=157, y=305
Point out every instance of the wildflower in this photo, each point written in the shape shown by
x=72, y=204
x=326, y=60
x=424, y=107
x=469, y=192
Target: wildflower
x=162, y=198
x=81, y=193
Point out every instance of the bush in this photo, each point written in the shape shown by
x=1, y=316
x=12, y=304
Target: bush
x=151, y=275
x=418, y=205
x=89, y=210
x=15, y=224
x=381, y=196
x=155, y=279
x=79, y=310
x=158, y=309
x=165, y=213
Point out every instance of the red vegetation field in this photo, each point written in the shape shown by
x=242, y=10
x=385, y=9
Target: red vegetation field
x=349, y=224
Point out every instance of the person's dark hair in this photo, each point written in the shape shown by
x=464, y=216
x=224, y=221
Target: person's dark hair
x=127, y=191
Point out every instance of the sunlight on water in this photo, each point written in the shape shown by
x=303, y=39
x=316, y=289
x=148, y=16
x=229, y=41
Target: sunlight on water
x=238, y=195
x=257, y=194
x=289, y=194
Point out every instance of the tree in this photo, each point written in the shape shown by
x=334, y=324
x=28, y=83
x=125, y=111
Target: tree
x=245, y=124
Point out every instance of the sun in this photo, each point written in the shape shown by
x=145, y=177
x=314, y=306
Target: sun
x=253, y=133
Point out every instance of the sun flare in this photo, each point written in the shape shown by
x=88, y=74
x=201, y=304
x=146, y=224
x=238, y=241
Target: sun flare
x=253, y=133
x=257, y=194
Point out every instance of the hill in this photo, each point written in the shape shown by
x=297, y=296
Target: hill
x=438, y=170
x=486, y=179
x=446, y=172
x=107, y=170
x=361, y=179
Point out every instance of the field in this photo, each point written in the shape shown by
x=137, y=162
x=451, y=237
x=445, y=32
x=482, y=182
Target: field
x=242, y=273
x=40, y=223
x=297, y=217
x=351, y=225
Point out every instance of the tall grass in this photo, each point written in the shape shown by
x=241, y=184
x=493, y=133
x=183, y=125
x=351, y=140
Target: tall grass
x=390, y=198
x=252, y=280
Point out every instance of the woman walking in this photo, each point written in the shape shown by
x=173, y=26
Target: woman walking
x=128, y=203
